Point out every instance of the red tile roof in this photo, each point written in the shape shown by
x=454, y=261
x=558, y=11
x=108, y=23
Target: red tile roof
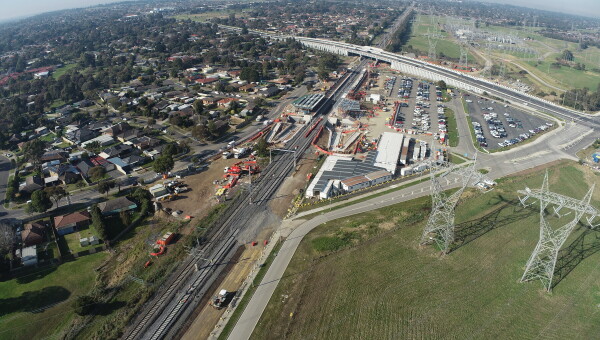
x=65, y=220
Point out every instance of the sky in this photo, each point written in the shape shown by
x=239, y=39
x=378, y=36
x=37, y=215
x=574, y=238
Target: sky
x=588, y=8
x=10, y=9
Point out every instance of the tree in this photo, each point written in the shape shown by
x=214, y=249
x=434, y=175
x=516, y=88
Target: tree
x=171, y=149
x=442, y=85
x=105, y=186
x=7, y=239
x=163, y=164
x=262, y=147
x=249, y=74
x=98, y=222
x=323, y=74
x=198, y=107
x=56, y=193
x=97, y=173
x=84, y=304
x=40, y=202
x=567, y=55
x=200, y=132
x=34, y=150
x=93, y=146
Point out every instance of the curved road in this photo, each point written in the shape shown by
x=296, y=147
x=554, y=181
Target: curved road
x=552, y=146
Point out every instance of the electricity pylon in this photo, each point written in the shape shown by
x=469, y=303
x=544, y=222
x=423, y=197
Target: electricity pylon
x=542, y=262
x=440, y=226
x=464, y=55
x=432, y=39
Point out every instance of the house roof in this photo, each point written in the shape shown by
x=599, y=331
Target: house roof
x=84, y=166
x=115, y=204
x=66, y=220
x=33, y=233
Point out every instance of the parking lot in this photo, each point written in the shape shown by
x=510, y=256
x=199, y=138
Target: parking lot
x=499, y=125
x=419, y=108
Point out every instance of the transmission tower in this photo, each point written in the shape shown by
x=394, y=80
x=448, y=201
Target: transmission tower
x=464, y=55
x=440, y=226
x=502, y=69
x=542, y=262
x=432, y=39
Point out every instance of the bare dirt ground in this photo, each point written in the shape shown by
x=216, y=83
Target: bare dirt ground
x=198, y=201
x=292, y=185
x=208, y=317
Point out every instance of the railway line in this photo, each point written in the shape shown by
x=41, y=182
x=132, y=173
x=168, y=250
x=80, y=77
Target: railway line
x=173, y=302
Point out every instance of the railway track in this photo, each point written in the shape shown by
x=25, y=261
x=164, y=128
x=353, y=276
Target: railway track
x=170, y=302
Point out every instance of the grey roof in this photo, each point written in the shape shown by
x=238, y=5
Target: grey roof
x=308, y=102
x=344, y=169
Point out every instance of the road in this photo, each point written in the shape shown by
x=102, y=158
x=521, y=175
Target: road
x=558, y=144
x=172, y=305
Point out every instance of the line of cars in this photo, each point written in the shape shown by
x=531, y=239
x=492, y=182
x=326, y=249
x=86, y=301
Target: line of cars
x=524, y=136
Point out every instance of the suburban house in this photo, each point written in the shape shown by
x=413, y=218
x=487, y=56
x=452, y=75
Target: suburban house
x=120, y=164
x=145, y=142
x=54, y=155
x=33, y=183
x=128, y=135
x=115, y=151
x=116, y=206
x=67, y=224
x=66, y=173
x=33, y=234
x=79, y=136
x=117, y=129
x=84, y=167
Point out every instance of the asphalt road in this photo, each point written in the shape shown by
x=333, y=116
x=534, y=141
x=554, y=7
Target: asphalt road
x=558, y=144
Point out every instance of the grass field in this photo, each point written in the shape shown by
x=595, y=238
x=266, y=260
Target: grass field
x=22, y=300
x=365, y=277
x=62, y=70
x=445, y=45
x=452, y=128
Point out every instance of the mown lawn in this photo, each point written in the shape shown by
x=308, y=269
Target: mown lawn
x=22, y=300
x=376, y=282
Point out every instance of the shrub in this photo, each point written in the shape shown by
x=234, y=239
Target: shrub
x=329, y=243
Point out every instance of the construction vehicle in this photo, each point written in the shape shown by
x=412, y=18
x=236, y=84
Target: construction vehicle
x=166, y=239
x=222, y=299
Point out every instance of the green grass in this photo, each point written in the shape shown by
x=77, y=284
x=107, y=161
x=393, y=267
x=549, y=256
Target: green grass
x=47, y=286
x=62, y=70
x=445, y=45
x=384, y=286
x=456, y=159
x=567, y=76
x=73, y=239
x=57, y=103
x=452, y=128
x=48, y=138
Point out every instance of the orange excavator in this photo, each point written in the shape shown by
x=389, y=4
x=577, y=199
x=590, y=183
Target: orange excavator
x=236, y=170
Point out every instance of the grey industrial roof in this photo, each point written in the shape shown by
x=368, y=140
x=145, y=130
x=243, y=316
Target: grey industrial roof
x=344, y=169
x=309, y=101
x=347, y=105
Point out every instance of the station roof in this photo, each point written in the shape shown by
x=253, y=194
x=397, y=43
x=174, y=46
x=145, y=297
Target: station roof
x=309, y=101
